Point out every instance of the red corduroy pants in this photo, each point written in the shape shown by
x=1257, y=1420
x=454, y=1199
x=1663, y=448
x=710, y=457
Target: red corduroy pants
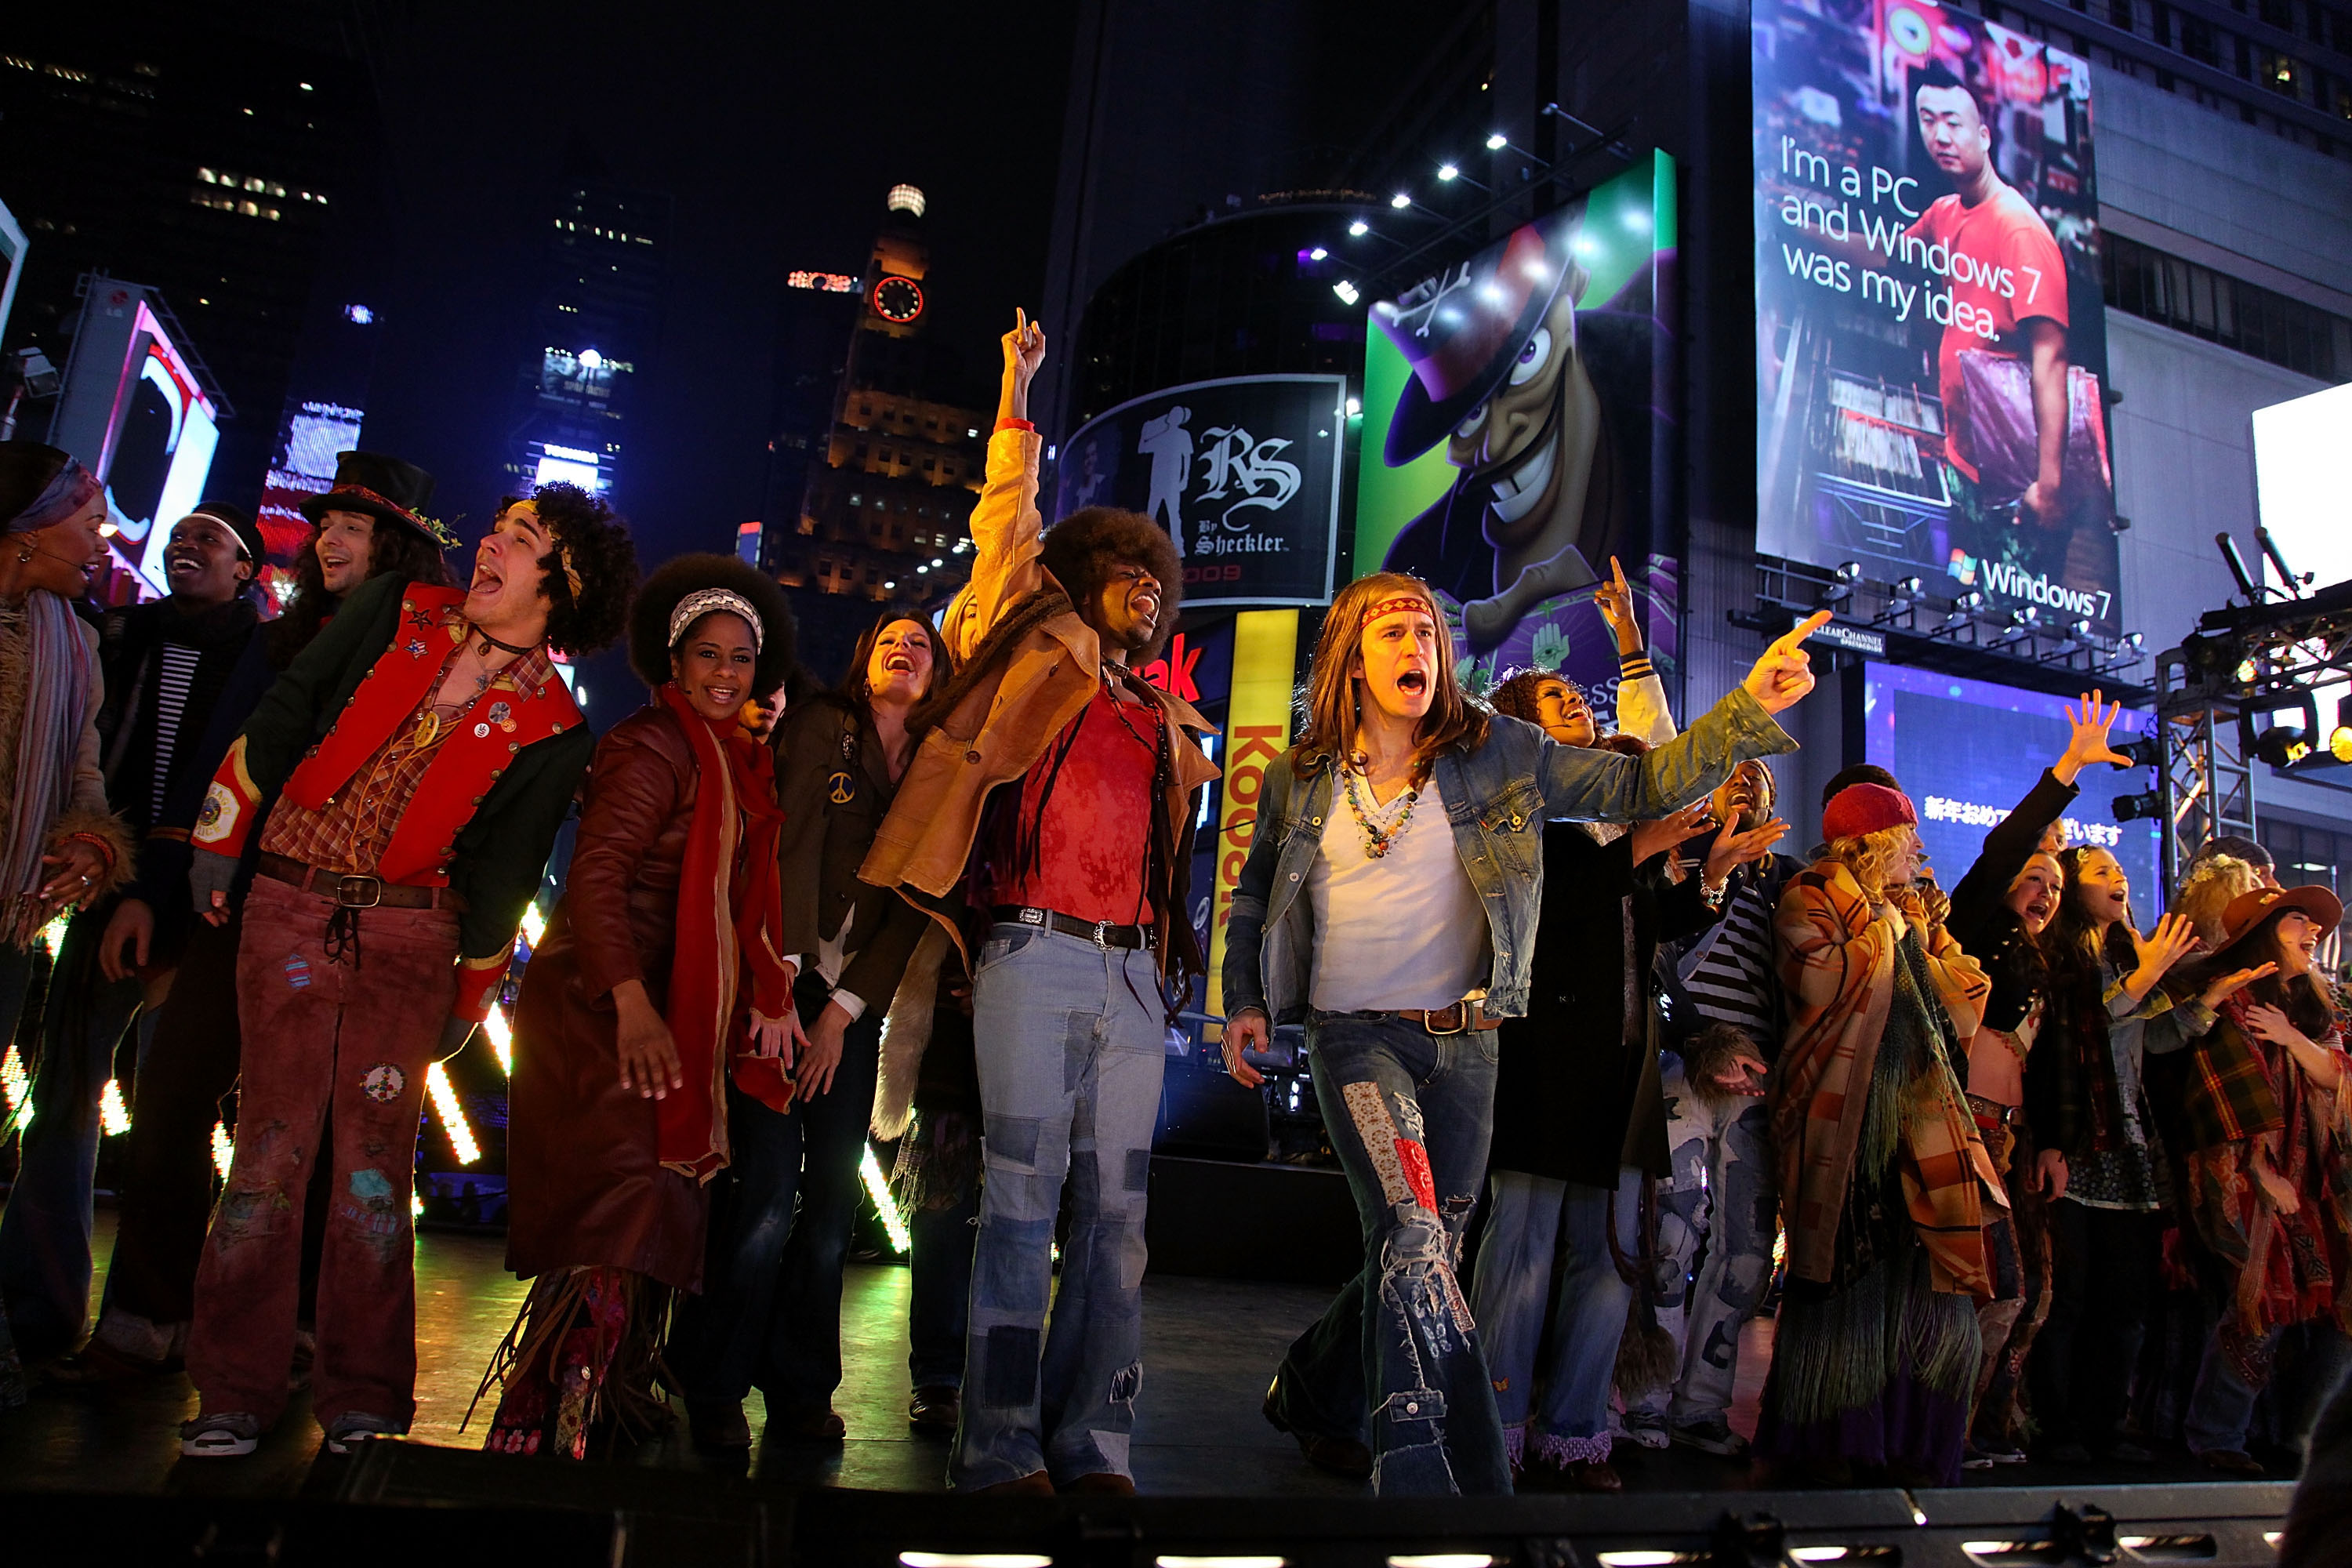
x=357, y=1035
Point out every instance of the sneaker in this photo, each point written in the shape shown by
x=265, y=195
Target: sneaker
x=1644, y=1428
x=1974, y=1459
x=2003, y=1453
x=354, y=1428
x=1712, y=1435
x=228, y=1436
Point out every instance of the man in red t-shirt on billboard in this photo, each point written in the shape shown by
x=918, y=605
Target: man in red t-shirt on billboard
x=2008, y=287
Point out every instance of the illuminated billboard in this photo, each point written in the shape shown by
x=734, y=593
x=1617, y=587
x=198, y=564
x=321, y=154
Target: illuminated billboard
x=1931, y=339
x=1515, y=422
x=1967, y=752
x=1242, y=472
x=133, y=409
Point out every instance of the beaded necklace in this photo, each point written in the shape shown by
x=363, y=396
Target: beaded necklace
x=1380, y=834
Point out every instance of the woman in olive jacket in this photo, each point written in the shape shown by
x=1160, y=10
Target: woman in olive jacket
x=770, y=1311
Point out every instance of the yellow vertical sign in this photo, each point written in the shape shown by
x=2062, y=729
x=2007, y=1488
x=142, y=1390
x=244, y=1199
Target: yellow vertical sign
x=1257, y=731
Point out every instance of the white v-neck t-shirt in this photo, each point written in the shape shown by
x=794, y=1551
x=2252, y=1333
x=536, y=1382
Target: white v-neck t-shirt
x=1406, y=930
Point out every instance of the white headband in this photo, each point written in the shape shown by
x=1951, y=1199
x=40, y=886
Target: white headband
x=702, y=601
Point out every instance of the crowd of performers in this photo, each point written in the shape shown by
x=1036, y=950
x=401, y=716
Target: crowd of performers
x=1562, y=998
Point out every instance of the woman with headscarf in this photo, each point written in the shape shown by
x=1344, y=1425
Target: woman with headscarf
x=1884, y=1182
x=658, y=981
x=770, y=1311
x=2269, y=1115
x=60, y=847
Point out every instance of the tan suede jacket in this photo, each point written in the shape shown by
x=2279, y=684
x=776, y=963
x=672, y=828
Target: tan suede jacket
x=1017, y=701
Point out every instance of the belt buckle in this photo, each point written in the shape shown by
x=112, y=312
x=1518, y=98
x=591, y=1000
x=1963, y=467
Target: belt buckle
x=349, y=898
x=1460, y=1015
x=1029, y=917
x=1102, y=935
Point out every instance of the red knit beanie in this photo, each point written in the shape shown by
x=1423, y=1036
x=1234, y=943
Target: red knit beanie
x=1865, y=808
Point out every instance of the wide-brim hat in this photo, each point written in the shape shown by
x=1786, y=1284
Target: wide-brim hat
x=384, y=488
x=1461, y=330
x=2251, y=908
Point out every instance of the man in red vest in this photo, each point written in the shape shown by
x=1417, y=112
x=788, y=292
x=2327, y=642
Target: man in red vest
x=424, y=752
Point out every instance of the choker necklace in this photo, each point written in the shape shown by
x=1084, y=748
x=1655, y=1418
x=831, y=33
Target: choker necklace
x=489, y=642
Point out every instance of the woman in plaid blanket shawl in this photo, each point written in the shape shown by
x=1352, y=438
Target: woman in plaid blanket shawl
x=2269, y=1122
x=1884, y=1178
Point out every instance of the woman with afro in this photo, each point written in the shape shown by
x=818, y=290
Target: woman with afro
x=659, y=979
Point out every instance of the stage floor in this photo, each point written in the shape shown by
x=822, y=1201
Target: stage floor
x=1210, y=1347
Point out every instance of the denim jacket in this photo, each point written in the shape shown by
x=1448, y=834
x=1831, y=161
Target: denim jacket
x=1497, y=798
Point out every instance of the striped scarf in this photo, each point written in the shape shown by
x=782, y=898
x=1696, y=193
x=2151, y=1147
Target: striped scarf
x=43, y=656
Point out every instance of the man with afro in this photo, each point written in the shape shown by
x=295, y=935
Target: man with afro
x=422, y=751
x=1045, y=822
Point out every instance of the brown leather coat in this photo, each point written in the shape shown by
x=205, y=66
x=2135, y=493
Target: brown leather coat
x=1018, y=693
x=585, y=1186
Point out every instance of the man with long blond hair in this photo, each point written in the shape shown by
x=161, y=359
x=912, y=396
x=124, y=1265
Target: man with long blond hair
x=1402, y=947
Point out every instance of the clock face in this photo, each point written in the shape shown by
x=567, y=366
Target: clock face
x=897, y=299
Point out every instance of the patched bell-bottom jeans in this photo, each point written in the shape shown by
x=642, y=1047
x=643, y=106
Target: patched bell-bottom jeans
x=1071, y=1044
x=1409, y=1114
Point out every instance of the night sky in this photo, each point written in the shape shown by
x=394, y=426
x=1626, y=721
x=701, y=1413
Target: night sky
x=776, y=129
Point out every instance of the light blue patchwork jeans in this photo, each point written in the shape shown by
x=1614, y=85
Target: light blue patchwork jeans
x=1070, y=1042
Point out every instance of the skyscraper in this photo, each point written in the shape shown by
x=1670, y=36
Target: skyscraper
x=887, y=512
x=594, y=324
x=200, y=157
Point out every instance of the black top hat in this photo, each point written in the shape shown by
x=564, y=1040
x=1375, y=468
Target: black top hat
x=384, y=488
x=1461, y=330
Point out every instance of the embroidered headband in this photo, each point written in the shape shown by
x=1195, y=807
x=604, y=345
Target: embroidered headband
x=64, y=495
x=1413, y=602
x=562, y=554
x=702, y=601
x=437, y=531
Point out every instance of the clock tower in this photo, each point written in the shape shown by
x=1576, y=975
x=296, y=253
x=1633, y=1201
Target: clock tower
x=888, y=503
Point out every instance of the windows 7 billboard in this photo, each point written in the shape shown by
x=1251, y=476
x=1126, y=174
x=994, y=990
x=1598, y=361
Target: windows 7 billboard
x=1931, y=343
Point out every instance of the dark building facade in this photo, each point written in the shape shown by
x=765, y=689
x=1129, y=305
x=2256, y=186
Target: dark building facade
x=204, y=159
x=595, y=326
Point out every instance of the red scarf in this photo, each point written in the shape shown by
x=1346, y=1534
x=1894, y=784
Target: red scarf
x=730, y=906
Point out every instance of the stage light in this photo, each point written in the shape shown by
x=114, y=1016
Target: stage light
x=534, y=924
x=877, y=1187
x=1169, y=1560
x=973, y=1560
x=224, y=1152
x=453, y=1115
x=1446, y=171
x=2339, y=739
x=1400, y=201
x=1355, y=408
x=2144, y=752
x=114, y=1116
x=1347, y=291
x=1497, y=141
x=1317, y=253
x=1359, y=228
x=1833, y=593
x=16, y=1087
x=1849, y=571
x=2282, y=745
x=501, y=1038
x=2147, y=804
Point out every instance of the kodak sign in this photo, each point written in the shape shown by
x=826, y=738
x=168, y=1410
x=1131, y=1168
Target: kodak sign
x=1257, y=731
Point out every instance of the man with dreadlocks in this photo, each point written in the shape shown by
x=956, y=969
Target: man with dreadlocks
x=1046, y=818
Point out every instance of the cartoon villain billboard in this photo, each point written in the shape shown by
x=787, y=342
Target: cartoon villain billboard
x=1931, y=342
x=1244, y=473
x=1517, y=433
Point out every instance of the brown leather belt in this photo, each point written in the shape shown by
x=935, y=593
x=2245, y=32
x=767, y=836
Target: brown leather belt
x=1463, y=1018
x=1102, y=933
x=353, y=892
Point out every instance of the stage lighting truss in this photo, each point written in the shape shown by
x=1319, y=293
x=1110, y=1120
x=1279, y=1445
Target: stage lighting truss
x=2252, y=684
x=1956, y=630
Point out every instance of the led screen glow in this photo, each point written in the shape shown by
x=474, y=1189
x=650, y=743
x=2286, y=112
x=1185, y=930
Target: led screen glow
x=1967, y=752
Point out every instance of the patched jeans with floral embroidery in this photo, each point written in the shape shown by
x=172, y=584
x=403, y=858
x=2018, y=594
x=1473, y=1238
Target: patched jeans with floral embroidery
x=1409, y=1114
x=1071, y=1048
x=357, y=1037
